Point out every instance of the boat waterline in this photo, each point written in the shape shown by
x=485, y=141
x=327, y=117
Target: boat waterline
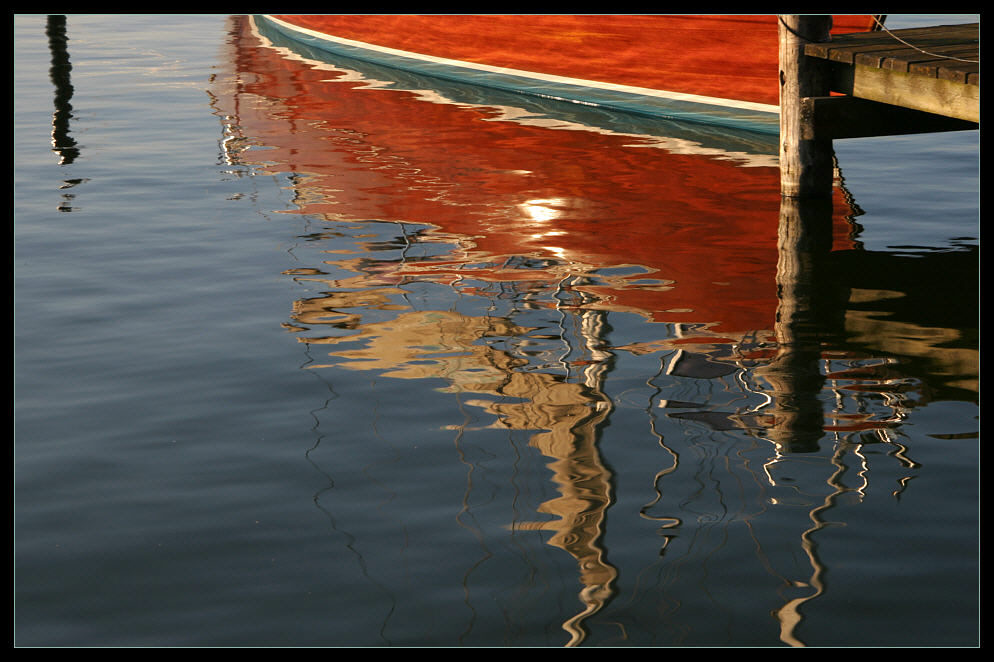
x=745, y=115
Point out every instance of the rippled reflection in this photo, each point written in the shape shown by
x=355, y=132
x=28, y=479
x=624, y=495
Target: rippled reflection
x=526, y=260
x=60, y=72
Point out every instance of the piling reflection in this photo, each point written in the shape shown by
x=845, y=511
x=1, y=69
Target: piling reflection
x=809, y=310
x=501, y=253
x=63, y=143
x=808, y=318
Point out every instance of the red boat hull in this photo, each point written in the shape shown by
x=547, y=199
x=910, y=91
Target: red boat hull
x=721, y=56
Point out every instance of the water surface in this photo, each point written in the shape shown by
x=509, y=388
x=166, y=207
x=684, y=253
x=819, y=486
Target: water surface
x=313, y=354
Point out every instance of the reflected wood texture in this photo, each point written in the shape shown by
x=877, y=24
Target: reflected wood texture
x=811, y=305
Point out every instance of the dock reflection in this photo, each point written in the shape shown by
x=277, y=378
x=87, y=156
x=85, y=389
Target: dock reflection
x=501, y=250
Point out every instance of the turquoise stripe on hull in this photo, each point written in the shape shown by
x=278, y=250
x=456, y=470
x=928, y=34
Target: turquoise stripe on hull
x=620, y=100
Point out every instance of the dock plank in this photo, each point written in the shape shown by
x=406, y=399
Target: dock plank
x=934, y=69
x=872, y=48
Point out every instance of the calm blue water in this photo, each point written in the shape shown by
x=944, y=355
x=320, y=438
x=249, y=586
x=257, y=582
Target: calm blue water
x=234, y=426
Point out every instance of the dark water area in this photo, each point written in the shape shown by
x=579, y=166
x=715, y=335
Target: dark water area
x=310, y=353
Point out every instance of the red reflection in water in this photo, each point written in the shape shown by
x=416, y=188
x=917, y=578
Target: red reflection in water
x=702, y=226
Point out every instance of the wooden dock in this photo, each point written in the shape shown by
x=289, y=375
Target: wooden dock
x=887, y=82
x=933, y=70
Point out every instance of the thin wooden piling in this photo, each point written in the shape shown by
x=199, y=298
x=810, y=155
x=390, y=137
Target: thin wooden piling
x=806, y=164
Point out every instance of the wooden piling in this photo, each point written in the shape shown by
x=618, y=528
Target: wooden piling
x=806, y=164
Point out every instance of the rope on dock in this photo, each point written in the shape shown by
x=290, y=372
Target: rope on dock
x=794, y=32
x=880, y=26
